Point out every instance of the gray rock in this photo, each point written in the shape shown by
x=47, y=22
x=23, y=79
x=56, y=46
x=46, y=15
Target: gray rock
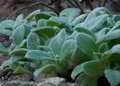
x=18, y=83
x=55, y=81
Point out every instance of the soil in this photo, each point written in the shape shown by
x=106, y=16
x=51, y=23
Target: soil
x=5, y=12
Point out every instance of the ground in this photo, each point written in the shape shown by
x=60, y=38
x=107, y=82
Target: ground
x=4, y=13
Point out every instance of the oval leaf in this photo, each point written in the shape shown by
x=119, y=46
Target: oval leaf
x=86, y=44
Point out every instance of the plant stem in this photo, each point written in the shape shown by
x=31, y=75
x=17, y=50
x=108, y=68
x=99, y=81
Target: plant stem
x=99, y=3
x=79, y=6
x=71, y=3
x=89, y=3
x=104, y=3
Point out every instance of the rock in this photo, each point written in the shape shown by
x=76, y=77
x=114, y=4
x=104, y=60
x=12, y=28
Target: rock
x=55, y=81
x=18, y=83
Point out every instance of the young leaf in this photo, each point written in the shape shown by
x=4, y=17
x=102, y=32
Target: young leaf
x=47, y=69
x=45, y=30
x=67, y=49
x=7, y=24
x=57, y=41
x=70, y=14
x=103, y=47
x=21, y=70
x=110, y=36
x=94, y=68
x=115, y=27
x=52, y=23
x=89, y=82
x=44, y=15
x=77, y=71
x=4, y=65
x=16, y=58
x=31, y=15
x=18, y=35
x=85, y=30
x=97, y=12
x=79, y=19
x=18, y=20
x=84, y=80
x=80, y=79
x=113, y=76
x=114, y=50
x=101, y=34
x=33, y=41
x=6, y=32
x=28, y=29
x=99, y=23
x=3, y=49
x=116, y=18
x=41, y=23
x=86, y=44
x=38, y=55
x=19, y=51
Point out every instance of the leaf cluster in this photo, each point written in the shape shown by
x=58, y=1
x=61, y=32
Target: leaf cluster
x=84, y=47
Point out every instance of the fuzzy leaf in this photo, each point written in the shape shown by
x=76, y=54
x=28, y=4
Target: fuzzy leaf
x=116, y=17
x=114, y=50
x=6, y=32
x=7, y=24
x=38, y=55
x=41, y=23
x=110, y=36
x=31, y=15
x=19, y=51
x=47, y=69
x=3, y=49
x=85, y=30
x=77, y=71
x=18, y=35
x=101, y=34
x=67, y=49
x=57, y=41
x=79, y=19
x=86, y=44
x=97, y=12
x=113, y=76
x=94, y=68
x=70, y=14
x=84, y=80
x=21, y=70
x=45, y=30
x=44, y=15
x=18, y=20
x=33, y=41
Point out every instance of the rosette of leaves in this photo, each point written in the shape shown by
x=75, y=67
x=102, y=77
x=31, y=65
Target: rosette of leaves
x=100, y=41
x=45, y=43
x=31, y=33
x=56, y=56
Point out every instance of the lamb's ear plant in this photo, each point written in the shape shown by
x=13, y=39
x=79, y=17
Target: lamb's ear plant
x=84, y=47
x=103, y=49
x=36, y=34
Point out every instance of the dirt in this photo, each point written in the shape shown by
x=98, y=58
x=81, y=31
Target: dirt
x=4, y=12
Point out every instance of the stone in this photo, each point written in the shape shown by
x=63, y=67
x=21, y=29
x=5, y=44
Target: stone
x=17, y=83
x=54, y=81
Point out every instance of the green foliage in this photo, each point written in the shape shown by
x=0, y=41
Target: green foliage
x=45, y=43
